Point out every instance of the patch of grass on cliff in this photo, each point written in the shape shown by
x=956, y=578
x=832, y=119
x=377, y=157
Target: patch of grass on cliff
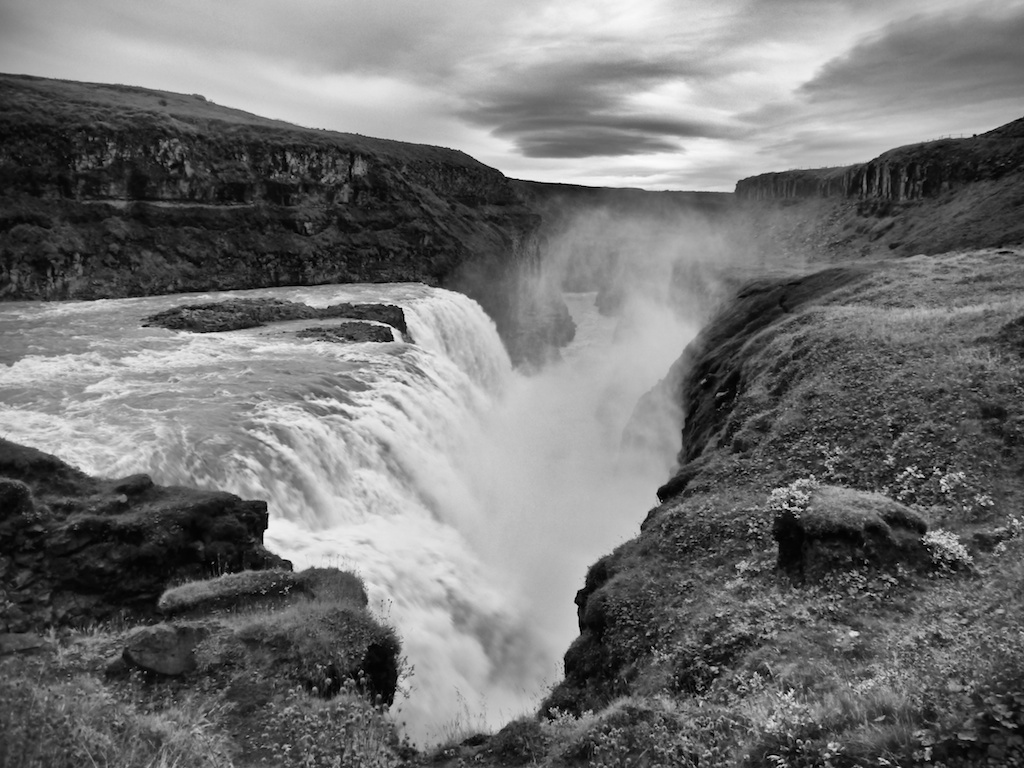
x=49, y=721
x=311, y=629
x=249, y=589
x=295, y=681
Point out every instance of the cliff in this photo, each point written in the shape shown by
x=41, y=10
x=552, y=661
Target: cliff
x=79, y=549
x=913, y=172
x=112, y=191
x=784, y=598
x=844, y=522
x=923, y=198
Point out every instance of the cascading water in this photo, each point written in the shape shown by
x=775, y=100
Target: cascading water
x=468, y=496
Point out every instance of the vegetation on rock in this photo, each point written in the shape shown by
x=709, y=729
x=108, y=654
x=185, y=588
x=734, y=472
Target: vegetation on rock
x=79, y=549
x=877, y=658
x=305, y=681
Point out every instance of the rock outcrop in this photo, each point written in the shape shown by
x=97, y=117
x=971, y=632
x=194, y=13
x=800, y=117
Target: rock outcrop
x=846, y=529
x=235, y=314
x=348, y=333
x=913, y=172
x=935, y=197
x=78, y=549
x=310, y=629
x=164, y=649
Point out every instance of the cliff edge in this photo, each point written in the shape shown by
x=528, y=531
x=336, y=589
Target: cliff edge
x=921, y=198
x=113, y=191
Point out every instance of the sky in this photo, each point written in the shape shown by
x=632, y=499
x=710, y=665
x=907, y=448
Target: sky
x=659, y=94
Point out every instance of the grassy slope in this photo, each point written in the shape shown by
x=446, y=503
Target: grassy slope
x=69, y=104
x=272, y=636
x=699, y=652
x=974, y=199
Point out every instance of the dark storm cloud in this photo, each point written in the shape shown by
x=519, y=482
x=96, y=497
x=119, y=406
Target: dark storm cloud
x=591, y=142
x=927, y=61
x=575, y=109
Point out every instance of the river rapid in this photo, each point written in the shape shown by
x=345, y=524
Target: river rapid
x=468, y=495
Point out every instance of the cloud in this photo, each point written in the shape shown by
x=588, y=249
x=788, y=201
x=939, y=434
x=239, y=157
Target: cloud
x=924, y=61
x=591, y=142
x=682, y=89
x=953, y=70
x=588, y=108
x=417, y=39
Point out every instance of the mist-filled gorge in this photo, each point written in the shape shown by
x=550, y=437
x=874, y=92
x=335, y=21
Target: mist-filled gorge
x=469, y=496
x=324, y=447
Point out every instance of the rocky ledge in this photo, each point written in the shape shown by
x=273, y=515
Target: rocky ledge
x=912, y=172
x=79, y=549
x=236, y=314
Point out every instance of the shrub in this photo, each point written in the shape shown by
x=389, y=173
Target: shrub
x=794, y=497
x=946, y=550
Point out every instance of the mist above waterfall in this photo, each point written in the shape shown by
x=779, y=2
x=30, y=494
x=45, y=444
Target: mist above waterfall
x=470, y=496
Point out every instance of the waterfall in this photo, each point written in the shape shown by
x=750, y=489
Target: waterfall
x=468, y=496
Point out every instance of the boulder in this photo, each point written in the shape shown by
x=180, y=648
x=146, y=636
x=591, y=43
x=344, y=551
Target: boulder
x=166, y=649
x=316, y=632
x=842, y=528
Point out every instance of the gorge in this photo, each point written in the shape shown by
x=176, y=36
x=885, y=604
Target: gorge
x=841, y=362
x=425, y=467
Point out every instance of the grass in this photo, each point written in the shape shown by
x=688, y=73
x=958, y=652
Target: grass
x=903, y=395
x=236, y=591
x=34, y=102
x=894, y=388
x=290, y=682
x=80, y=721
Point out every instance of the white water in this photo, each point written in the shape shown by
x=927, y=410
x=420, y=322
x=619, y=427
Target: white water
x=470, y=497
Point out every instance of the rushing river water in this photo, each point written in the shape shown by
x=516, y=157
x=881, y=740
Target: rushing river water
x=469, y=496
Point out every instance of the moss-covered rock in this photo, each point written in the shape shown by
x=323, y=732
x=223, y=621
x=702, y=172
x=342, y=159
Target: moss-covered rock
x=95, y=548
x=843, y=529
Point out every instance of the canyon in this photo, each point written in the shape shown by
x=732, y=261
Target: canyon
x=829, y=574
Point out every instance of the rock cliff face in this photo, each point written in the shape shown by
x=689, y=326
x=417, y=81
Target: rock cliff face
x=923, y=198
x=913, y=172
x=111, y=191
x=78, y=549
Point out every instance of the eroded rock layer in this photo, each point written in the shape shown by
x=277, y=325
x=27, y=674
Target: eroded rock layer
x=78, y=549
x=113, y=191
